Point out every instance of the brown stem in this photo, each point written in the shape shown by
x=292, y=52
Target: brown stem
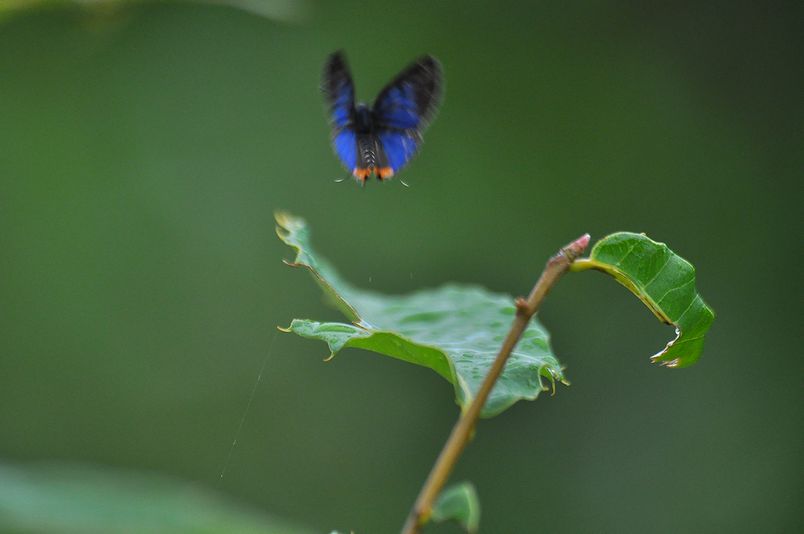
x=461, y=432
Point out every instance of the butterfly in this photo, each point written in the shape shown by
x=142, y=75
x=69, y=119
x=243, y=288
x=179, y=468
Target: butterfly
x=383, y=138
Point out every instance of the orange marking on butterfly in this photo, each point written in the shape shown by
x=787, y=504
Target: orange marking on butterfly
x=361, y=174
x=384, y=172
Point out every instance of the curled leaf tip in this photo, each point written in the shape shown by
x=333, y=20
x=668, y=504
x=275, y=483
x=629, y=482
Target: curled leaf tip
x=287, y=220
x=285, y=223
x=664, y=282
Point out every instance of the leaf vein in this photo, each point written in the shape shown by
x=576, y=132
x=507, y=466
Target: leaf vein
x=627, y=252
x=687, y=308
x=655, y=276
x=688, y=282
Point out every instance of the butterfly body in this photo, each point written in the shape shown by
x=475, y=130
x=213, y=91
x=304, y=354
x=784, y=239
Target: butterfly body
x=364, y=123
x=380, y=139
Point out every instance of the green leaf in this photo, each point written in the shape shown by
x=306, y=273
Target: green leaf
x=455, y=330
x=69, y=499
x=458, y=503
x=665, y=282
x=285, y=10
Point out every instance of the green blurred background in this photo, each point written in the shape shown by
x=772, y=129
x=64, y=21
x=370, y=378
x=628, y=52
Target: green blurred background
x=144, y=150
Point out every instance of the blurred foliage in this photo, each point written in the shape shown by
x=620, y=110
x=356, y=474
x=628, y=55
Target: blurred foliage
x=61, y=499
x=288, y=10
x=142, y=156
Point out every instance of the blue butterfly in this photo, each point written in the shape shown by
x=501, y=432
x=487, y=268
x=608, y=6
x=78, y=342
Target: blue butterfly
x=380, y=139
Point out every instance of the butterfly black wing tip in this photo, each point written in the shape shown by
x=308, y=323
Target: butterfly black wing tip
x=430, y=63
x=338, y=56
x=335, y=63
x=429, y=60
x=336, y=75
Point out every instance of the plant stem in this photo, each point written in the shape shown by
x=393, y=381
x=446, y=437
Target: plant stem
x=462, y=431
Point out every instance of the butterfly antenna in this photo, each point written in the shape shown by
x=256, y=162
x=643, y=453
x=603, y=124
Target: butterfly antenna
x=339, y=180
x=403, y=182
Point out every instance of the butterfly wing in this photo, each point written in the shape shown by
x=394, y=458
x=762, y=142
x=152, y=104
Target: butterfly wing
x=411, y=99
x=404, y=108
x=339, y=93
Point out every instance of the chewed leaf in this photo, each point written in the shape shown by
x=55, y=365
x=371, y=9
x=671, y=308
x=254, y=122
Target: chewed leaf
x=665, y=282
x=459, y=503
x=455, y=330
